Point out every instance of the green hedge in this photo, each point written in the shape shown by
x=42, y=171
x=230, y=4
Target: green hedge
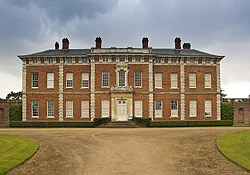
x=227, y=112
x=101, y=120
x=143, y=120
x=191, y=123
x=15, y=112
x=42, y=124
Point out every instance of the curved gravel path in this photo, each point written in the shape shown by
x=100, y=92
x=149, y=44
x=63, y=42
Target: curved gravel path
x=173, y=151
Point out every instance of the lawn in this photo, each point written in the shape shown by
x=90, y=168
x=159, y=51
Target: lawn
x=14, y=150
x=236, y=146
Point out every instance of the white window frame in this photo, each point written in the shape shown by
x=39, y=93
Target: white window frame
x=122, y=59
x=85, y=80
x=158, y=109
x=208, y=108
x=138, y=108
x=138, y=79
x=50, y=80
x=105, y=108
x=105, y=59
x=207, y=78
x=207, y=61
x=34, y=107
x=34, y=80
x=50, y=109
x=138, y=59
x=69, y=60
x=174, y=108
x=158, y=80
x=157, y=60
x=84, y=109
x=105, y=79
x=85, y=60
x=174, y=80
x=174, y=60
x=69, y=80
x=121, y=80
x=193, y=108
x=192, y=80
x=34, y=60
x=69, y=109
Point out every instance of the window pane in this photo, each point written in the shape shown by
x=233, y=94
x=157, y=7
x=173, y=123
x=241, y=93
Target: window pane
x=84, y=60
x=35, y=108
x=121, y=78
x=69, y=108
x=207, y=80
x=138, y=79
x=35, y=80
x=85, y=80
x=192, y=108
x=174, y=108
x=137, y=59
x=192, y=80
x=122, y=59
x=85, y=109
x=138, y=108
x=208, y=108
x=50, y=80
x=158, y=80
x=174, y=80
x=105, y=79
x=105, y=108
x=69, y=80
x=50, y=108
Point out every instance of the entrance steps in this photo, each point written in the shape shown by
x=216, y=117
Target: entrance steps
x=120, y=124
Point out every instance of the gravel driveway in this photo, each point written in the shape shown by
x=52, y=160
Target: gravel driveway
x=173, y=151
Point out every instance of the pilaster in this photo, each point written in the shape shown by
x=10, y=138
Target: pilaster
x=218, y=90
x=92, y=89
x=24, y=101
x=182, y=84
x=60, y=99
x=150, y=89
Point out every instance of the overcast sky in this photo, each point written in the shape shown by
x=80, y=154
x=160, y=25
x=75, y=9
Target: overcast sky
x=220, y=27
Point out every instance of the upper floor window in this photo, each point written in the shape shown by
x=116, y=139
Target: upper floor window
x=174, y=60
x=50, y=80
x=158, y=80
x=50, y=60
x=35, y=80
x=85, y=80
x=192, y=60
x=137, y=79
x=69, y=80
x=105, y=59
x=207, y=80
x=207, y=61
x=105, y=79
x=157, y=60
x=35, y=60
x=174, y=108
x=174, y=80
x=50, y=109
x=69, y=60
x=122, y=59
x=121, y=78
x=138, y=59
x=192, y=80
x=85, y=60
x=35, y=109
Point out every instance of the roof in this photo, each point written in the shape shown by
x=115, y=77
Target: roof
x=168, y=52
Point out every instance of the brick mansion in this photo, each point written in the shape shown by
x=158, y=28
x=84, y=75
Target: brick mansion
x=64, y=84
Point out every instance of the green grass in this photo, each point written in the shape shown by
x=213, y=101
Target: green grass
x=236, y=146
x=14, y=150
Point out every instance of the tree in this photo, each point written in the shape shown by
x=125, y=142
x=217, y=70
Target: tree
x=14, y=97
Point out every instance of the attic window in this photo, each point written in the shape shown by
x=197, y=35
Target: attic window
x=207, y=61
x=137, y=59
x=158, y=60
x=173, y=60
x=69, y=60
x=34, y=60
x=122, y=59
x=50, y=60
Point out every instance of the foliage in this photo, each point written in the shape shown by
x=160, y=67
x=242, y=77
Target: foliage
x=227, y=111
x=15, y=112
x=236, y=147
x=14, y=97
x=143, y=120
x=14, y=150
x=101, y=120
x=191, y=123
x=50, y=124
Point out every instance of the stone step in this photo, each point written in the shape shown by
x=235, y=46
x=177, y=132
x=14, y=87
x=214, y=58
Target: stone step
x=119, y=124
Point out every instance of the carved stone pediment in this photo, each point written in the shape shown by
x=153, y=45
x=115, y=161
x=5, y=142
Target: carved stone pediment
x=125, y=89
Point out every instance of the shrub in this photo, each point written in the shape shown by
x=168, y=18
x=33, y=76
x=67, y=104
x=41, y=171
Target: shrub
x=227, y=112
x=15, y=112
x=101, y=120
x=143, y=120
x=191, y=123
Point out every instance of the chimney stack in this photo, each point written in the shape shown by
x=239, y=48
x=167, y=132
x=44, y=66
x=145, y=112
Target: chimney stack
x=65, y=43
x=186, y=46
x=145, y=43
x=177, y=43
x=98, y=42
x=56, y=45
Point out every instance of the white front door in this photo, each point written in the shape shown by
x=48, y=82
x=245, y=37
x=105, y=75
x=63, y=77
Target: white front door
x=122, y=110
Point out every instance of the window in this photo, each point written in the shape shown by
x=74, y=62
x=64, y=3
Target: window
x=50, y=109
x=174, y=60
x=138, y=108
x=105, y=79
x=35, y=60
x=105, y=59
x=138, y=59
x=85, y=60
x=192, y=80
x=121, y=78
x=69, y=60
x=85, y=80
x=69, y=80
x=35, y=109
x=158, y=80
x=208, y=108
x=105, y=108
x=207, y=61
x=69, y=109
x=174, y=108
x=192, y=60
x=157, y=60
x=122, y=59
x=85, y=109
x=50, y=60
x=137, y=79
x=192, y=108
x=50, y=80
x=207, y=80
x=158, y=108
x=174, y=81
x=35, y=80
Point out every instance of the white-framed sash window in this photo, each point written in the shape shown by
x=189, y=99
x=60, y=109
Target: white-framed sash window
x=69, y=109
x=158, y=80
x=174, y=108
x=121, y=78
x=208, y=108
x=138, y=80
x=207, y=80
x=105, y=108
x=138, y=108
x=69, y=80
x=193, y=108
x=158, y=108
x=85, y=80
x=50, y=80
x=174, y=80
x=192, y=80
x=105, y=79
x=34, y=80
x=50, y=109
x=85, y=109
x=35, y=109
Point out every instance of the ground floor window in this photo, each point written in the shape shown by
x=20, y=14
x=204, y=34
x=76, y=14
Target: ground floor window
x=158, y=108
x=85, y=109
x=69, y=109
x=174, y=108
x=192, y=108
x=208, y=108
x=105, y=108
x=138, y=108
x=35, y=109
x=50, y=109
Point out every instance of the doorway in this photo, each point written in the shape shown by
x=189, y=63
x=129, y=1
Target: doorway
x=122, y=110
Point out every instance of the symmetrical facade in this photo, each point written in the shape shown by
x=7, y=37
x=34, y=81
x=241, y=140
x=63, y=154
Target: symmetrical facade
x=121, y=83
